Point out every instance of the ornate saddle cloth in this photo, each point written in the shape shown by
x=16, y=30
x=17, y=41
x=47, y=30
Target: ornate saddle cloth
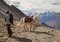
x=28, y=19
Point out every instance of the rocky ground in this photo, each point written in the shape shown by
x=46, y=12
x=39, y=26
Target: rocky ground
x=41, y=34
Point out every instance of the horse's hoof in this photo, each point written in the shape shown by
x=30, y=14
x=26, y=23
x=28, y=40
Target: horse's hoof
x=24, y=31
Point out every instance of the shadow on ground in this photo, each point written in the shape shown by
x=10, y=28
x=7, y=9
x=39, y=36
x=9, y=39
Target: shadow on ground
x=36, y=32
x=21, y=39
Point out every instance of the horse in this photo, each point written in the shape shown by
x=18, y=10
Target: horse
x=28, y=23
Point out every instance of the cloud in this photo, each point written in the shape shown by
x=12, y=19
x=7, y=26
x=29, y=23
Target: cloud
x=41, y=4
x=52, y=5
x=56, y=2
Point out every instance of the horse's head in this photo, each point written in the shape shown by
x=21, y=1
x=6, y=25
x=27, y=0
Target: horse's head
x=35, y=18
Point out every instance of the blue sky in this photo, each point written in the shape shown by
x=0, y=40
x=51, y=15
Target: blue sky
x=51, y=5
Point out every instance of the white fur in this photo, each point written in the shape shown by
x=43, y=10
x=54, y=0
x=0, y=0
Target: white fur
x=29, y=26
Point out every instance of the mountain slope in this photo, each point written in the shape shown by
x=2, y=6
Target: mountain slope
x=40, y=34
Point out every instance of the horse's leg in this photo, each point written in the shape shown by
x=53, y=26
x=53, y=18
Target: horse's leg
x=30, y=28
x=27, y=26
x=24, y=27
x=33, y=27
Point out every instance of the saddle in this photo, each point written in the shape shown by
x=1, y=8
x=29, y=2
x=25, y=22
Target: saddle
x=28, y=19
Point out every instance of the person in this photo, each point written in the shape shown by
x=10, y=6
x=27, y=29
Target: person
x=11, y=19
x=8, y=22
